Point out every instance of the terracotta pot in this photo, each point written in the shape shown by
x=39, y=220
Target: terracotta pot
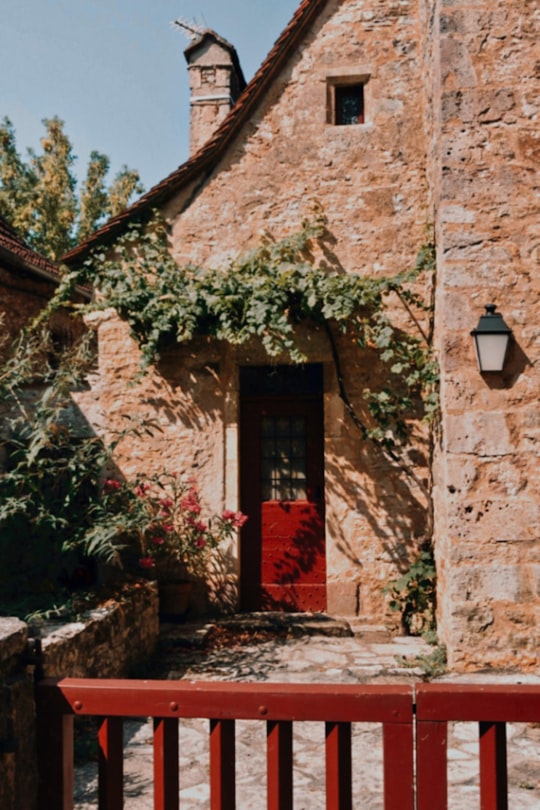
x=174, y=598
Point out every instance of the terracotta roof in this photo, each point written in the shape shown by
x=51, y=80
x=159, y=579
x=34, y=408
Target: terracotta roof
x=206, y=158
x=18, y=254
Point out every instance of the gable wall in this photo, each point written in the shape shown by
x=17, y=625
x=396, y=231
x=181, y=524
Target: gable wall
x=370, y=181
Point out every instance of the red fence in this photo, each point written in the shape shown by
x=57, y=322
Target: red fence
x=411, y=778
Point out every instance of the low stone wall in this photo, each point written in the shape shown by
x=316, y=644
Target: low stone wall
x=111, y=640
x=107, y=644
x=18, y=775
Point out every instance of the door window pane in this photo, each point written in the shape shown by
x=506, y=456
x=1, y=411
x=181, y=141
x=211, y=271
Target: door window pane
x=283, y=452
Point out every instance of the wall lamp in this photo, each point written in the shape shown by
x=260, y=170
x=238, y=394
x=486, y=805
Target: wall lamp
x=491, y=340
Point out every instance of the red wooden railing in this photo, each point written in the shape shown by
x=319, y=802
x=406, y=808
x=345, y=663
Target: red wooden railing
x=408, y=782
x=278, y=705
x=489, y=706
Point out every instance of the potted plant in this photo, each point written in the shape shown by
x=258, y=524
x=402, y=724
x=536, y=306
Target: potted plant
x=160, y=525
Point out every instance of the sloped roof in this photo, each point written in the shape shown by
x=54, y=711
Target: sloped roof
x=213, y=149
x=18, y=254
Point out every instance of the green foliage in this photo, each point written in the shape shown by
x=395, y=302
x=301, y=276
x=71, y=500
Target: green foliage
x=413, y=595
x=434, y=664
x=52, y=473
x=39, y=196
x=264, y=295
x=159, y=518
x=58, y=516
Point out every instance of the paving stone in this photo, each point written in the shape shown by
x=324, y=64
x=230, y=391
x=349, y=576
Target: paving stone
x=309, y=659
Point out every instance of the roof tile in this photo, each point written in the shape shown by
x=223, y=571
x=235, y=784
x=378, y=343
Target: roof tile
x=212, y=151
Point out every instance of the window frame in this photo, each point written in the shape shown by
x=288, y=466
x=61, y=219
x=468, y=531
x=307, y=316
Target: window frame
x=342, y=82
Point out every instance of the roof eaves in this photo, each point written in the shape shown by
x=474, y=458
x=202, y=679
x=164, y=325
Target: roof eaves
x=212, y=150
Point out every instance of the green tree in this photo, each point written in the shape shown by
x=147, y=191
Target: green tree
x=39, y=195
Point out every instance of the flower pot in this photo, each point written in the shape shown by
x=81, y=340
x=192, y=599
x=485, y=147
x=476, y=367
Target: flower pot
x=174, y=599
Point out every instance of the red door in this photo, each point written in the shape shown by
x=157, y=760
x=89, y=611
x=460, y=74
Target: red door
x=283, y=561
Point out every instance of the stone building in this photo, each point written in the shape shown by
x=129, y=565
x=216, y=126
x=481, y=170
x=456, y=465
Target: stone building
x=394, y=117
x=28, y=281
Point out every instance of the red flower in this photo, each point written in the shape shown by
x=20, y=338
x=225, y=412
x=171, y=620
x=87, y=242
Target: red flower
x=111, y=485
x=146, y=562
x=190, y=502
x=158, y=541
x=141, y=489
x=236, y=518
x=200, y=542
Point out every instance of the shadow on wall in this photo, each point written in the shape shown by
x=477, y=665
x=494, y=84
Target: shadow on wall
x=516, y=363
x=382, y=499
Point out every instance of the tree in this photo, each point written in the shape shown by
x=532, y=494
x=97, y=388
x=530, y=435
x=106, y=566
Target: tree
x=39, y=196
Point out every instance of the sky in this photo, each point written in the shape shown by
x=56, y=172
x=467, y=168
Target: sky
x=114, y=71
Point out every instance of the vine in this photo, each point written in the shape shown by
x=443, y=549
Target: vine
x=266, y=294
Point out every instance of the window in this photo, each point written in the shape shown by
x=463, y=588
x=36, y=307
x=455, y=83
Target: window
x=346, y=96
x=349, y=104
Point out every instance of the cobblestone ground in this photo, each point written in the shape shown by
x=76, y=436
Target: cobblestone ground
x=313, y=659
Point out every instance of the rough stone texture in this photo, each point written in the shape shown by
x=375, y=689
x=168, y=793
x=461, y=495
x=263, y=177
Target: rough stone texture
x=111, y=641
x=370, y=180
x=17, y=734
x=486, y=195
x=215, y=83
x=107, y=643
x=450, y=139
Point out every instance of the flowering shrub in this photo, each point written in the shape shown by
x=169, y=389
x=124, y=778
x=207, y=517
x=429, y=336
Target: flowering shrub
x=160, y=521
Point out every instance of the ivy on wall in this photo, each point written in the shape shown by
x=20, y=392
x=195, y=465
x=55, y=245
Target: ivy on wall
x=265, y=294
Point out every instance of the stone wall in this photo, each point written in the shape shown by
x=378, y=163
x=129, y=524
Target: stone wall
x=371, y=183
x=107, y=644
x=18, y=777
x=450, y=141
x=488, y=245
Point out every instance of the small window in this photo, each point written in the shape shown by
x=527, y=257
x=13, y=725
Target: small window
x=348, y=104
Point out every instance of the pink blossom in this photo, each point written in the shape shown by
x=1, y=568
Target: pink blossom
x=240, y=519
x=111, y=484
x=146, y=562
x=200, y=526
x=158, y=541
x=167, y=527
x=190, y=502
x=200, y=542
x=141, y=489
x=166, y=505
x=236, y=518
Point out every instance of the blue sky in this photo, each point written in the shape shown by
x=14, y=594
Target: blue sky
x=115, y=72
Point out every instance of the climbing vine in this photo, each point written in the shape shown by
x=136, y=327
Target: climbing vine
x=266, y=294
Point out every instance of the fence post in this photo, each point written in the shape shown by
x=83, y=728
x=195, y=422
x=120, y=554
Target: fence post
x=55, y=759
x=493, y=770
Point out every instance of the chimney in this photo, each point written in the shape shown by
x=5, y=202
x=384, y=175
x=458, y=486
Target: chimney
x=215, y=81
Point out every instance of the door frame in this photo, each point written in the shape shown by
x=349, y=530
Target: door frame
x=297, y=393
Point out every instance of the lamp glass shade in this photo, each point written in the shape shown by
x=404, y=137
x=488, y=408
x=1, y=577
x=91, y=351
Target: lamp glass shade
x=491, y=339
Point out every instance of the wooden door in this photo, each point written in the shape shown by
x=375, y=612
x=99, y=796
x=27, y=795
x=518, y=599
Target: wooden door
x=283, y=561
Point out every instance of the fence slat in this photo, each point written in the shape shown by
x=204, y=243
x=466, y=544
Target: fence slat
x=166, y=764
x=338, y=766
x=279, y=752
x=222, y=765
x=111, y=764
x=431, y=765
x=493, y=768
x=398, y=742
x=55, y=759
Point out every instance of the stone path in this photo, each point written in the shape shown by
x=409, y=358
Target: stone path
x=367, y=656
